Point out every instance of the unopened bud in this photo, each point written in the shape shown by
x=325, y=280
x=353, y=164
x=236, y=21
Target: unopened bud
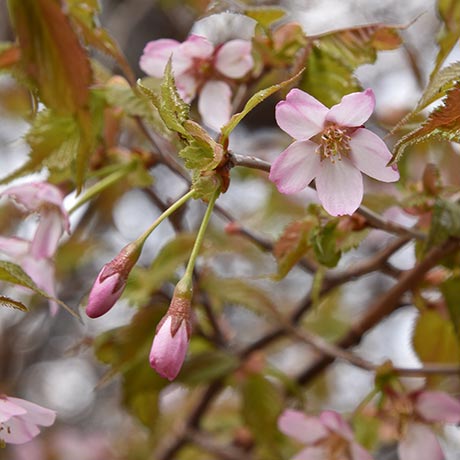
x=111, y=281
x=170, y=344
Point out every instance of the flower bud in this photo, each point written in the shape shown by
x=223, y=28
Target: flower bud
x=111, y=281
x=172, y=337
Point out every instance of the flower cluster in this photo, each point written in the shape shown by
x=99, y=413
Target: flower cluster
x=20, y=419
x=332, y=147
x=36, y=255
x=201, y=68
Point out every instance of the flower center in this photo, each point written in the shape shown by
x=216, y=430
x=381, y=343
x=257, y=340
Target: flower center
x=6, y=428
x=333, y=143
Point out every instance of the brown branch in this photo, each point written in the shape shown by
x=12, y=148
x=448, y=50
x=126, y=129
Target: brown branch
x=372, y=218
x=384, y=305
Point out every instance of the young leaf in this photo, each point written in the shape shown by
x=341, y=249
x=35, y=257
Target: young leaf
x=324, y=244
x=451, y=292
x=443, y=123
x=434, y=339
x=51, y=54
x=444, y=223
x=10, y=55
x=292, y=245
x=335, y=56
x=254, y=101
x=265, y=15
x=11, y=303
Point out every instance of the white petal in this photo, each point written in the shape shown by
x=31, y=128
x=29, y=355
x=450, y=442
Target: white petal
x=339, y=186
x=300, y=115
x=437, y=406
x=36, y=414
x=419, y=443
x=214, y=104
x=301, y=427
x=296, y=167
x=9, y=409
x=234, y=58
x=370, y=155
x=353, y=110
x=14, y=247
x=335, y=422
x=186, y=85
x=156, y=55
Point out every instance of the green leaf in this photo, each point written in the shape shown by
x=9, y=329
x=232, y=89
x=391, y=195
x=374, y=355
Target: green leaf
x=11, y=303
x=56, y=141
x=434, y=339
x=328, y=79
x=236, y=291
x=265, y=15
x=292, y=245
x=261, y=407
x=335, y=56
x=449, y=11
x=123, y=96
x=451, y=291
x=324, y=244
x=207, y=366
x=444, y=223
x=126, y=350
x=443, y=123
x=254, y=101
x=14, y=274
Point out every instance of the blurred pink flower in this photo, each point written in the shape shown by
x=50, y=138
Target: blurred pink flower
x=332, y=147
x=111, y=281
x=418, y=442
x=200, y=68
x=172, y=337
x=327, y=436
x=19, y=419
x=35, y=256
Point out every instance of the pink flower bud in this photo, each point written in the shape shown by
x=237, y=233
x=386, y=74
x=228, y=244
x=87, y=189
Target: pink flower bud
x=111, y=281
x=172, y=338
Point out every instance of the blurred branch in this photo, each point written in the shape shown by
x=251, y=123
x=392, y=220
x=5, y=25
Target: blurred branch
x=383, y=306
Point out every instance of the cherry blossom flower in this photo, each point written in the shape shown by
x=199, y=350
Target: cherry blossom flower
x=20, y=419
x=332, y=147
x=418, y=441
x=170, y=344
x=327, y=436
x=201, y=68
x=111, y=281
x=36, y=255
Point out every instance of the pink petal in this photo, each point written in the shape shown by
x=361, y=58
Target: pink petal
x=14, y=247
x=42, y=273
x=191, y=53
x=296, y=167
x=36, y=414
x=300, y=115
x=370, y=155
x=104, y=294
x=187, y=86
x=168, y=353
x=437, y=406
x=9, y=409
x=214, y=104
x=301, y=427
x=339, y=186
x=359, y=453
x=335, y=422
x=35, y=196
x=19, y=430
x=311, y=453
x=156, y=55
x=234, y=58
x=419, y=443
x=353, y=110
x=47, y=235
